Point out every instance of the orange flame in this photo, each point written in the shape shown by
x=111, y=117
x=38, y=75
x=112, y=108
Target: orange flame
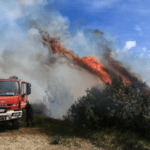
x=92, y=64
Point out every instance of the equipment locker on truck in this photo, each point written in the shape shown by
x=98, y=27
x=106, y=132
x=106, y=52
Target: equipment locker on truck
x=13, y=98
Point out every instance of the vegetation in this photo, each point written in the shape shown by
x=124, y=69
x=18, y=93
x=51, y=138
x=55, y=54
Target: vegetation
x=71, y=135
x=120, y=106
x=103, y=119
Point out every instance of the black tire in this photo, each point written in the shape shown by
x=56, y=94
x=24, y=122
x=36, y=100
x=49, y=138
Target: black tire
x=15, y=124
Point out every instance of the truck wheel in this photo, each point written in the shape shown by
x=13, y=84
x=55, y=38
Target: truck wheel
x=15, y=124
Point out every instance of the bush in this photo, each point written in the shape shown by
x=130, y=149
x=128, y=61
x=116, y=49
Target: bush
x=117, y=105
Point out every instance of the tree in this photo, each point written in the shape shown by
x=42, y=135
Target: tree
x=117, y=105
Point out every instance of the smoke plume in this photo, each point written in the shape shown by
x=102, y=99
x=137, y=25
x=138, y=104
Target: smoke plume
x=28, y=37
x=56, y=83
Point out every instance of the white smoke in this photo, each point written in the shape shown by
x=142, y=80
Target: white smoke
x=23, y=55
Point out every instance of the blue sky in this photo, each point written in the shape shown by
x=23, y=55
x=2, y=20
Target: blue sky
x=126, y=23
x=125, y=20
x=120, y=20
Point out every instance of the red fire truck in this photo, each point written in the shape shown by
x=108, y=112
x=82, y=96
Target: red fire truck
x=13, y=98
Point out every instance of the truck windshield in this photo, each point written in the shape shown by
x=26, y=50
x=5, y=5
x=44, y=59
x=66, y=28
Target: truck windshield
x=9, y=86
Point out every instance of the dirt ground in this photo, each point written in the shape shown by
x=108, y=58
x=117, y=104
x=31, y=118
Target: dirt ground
x=32, y=139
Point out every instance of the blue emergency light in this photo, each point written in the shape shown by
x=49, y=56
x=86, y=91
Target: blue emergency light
x=9, y=93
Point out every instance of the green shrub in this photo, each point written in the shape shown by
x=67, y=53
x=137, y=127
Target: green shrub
x=117, y=105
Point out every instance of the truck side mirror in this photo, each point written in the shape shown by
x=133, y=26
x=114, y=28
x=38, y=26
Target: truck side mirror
x=28, y=88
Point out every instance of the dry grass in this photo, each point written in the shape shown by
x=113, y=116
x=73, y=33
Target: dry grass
x=75, y=137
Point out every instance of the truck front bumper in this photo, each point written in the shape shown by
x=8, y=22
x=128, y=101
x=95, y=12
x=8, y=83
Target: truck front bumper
x=10, y=115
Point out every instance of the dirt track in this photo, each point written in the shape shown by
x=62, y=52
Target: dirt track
x=31, y=139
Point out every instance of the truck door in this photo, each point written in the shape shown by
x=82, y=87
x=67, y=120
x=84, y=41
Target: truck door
x=23, y=95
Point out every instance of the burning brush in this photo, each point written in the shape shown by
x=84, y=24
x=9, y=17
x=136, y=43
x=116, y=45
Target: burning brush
x=92, y=64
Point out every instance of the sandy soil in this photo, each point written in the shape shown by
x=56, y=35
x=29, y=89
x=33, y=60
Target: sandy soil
x=30, y=139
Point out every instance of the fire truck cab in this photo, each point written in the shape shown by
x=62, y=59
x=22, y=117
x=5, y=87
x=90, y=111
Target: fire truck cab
x=13, y=98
